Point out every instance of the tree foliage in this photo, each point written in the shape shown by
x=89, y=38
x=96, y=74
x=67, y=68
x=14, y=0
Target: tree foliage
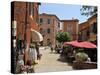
x=88, y=10
x=63, y=37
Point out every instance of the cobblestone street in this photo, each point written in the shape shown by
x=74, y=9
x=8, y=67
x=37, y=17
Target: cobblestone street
x=50, y=63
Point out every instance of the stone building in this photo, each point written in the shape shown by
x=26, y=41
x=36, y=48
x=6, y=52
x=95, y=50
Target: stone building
x=24, y=18
x=49, y=26
x=71, y=26
x=88, y=29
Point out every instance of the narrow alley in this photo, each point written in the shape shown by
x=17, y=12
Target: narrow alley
x=50, y=63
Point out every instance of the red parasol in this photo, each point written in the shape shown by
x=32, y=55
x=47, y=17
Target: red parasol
x=87, y=44
x=73, y=43
x=81, y=44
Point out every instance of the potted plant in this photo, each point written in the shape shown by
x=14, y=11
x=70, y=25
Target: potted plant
x=81, y=57
x=80, y=60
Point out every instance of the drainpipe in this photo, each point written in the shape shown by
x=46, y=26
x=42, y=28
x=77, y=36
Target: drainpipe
x=25, y=33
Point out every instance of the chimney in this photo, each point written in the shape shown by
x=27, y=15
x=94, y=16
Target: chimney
x=73, y=18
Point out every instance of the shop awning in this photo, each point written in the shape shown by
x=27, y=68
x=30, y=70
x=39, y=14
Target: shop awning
x=87, y=44
x=36, y=36
x=73, y=43
x=84, y=44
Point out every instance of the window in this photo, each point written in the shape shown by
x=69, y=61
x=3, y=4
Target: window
x=42, y=31
x=48, y=21
x=58, y=24
x=48, y=30
x=31, y=9
x=37, y=18
x=69, y=29
x=93, y=28
x=87, y=32
x=41, y=20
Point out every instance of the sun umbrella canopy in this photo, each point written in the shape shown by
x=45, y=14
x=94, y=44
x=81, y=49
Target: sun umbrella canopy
x=73, y=43
x=88, y=45
x=69, y=43
x=81, y=44
x=36, y=36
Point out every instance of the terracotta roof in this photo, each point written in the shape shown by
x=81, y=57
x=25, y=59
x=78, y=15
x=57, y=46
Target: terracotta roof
x=83, y=23
x=92, y=17
x=76, y=20
x=49, y=15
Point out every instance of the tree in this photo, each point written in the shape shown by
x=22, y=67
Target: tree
x=63, y=37
x=88, y=10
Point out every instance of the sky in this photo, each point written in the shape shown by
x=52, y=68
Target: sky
x=63, y=11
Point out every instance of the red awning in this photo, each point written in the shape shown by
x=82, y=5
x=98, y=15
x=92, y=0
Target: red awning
x=73, y=43
x=81, y=44
x=87, y=44
x=69, y=43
